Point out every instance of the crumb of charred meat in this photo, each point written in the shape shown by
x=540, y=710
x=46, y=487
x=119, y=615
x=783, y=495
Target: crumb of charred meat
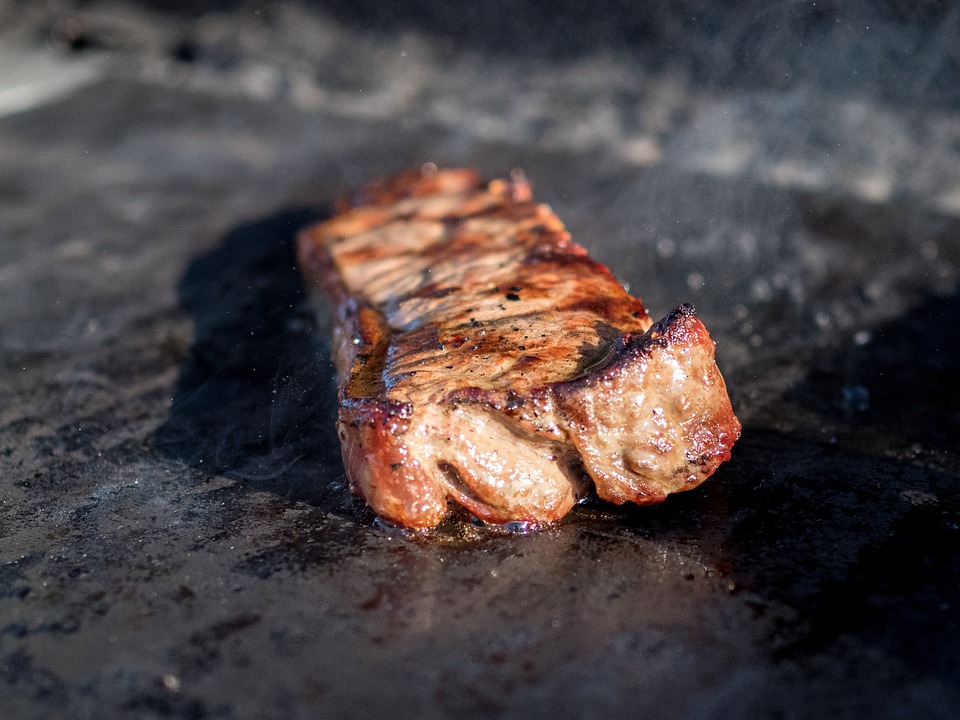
x=485, y=359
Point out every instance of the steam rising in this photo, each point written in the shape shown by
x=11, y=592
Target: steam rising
x=793, y=168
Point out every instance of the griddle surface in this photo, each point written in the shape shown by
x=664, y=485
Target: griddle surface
x=176, y=535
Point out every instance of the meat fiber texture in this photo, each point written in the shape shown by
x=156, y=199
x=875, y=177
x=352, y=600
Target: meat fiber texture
x=485, y=359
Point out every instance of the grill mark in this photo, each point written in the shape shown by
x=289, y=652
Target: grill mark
x=374, y=340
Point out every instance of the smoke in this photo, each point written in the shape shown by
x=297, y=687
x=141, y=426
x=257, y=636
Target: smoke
x=255, y=398
x=793, y=168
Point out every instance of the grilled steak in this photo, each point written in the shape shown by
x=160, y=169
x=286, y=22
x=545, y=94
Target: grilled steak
x=484, y=358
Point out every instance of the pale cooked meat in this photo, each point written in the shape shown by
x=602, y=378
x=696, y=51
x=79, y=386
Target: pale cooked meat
x=484, y=358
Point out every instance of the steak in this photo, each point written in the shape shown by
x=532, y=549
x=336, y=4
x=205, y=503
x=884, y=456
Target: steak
x=484, y=358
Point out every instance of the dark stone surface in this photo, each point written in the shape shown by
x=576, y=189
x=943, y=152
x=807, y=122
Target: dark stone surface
x=176, y=537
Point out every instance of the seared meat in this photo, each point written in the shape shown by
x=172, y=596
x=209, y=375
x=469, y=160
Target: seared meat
x=484, y=358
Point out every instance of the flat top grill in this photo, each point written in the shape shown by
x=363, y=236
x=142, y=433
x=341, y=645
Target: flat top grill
x=176, y=536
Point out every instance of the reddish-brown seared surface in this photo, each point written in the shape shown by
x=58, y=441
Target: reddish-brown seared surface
x=484, y=358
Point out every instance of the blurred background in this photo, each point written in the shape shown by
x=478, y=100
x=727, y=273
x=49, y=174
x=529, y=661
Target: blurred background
x=176, y=535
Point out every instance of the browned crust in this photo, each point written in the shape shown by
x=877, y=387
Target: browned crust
x=702, y=438
x=509, y=367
